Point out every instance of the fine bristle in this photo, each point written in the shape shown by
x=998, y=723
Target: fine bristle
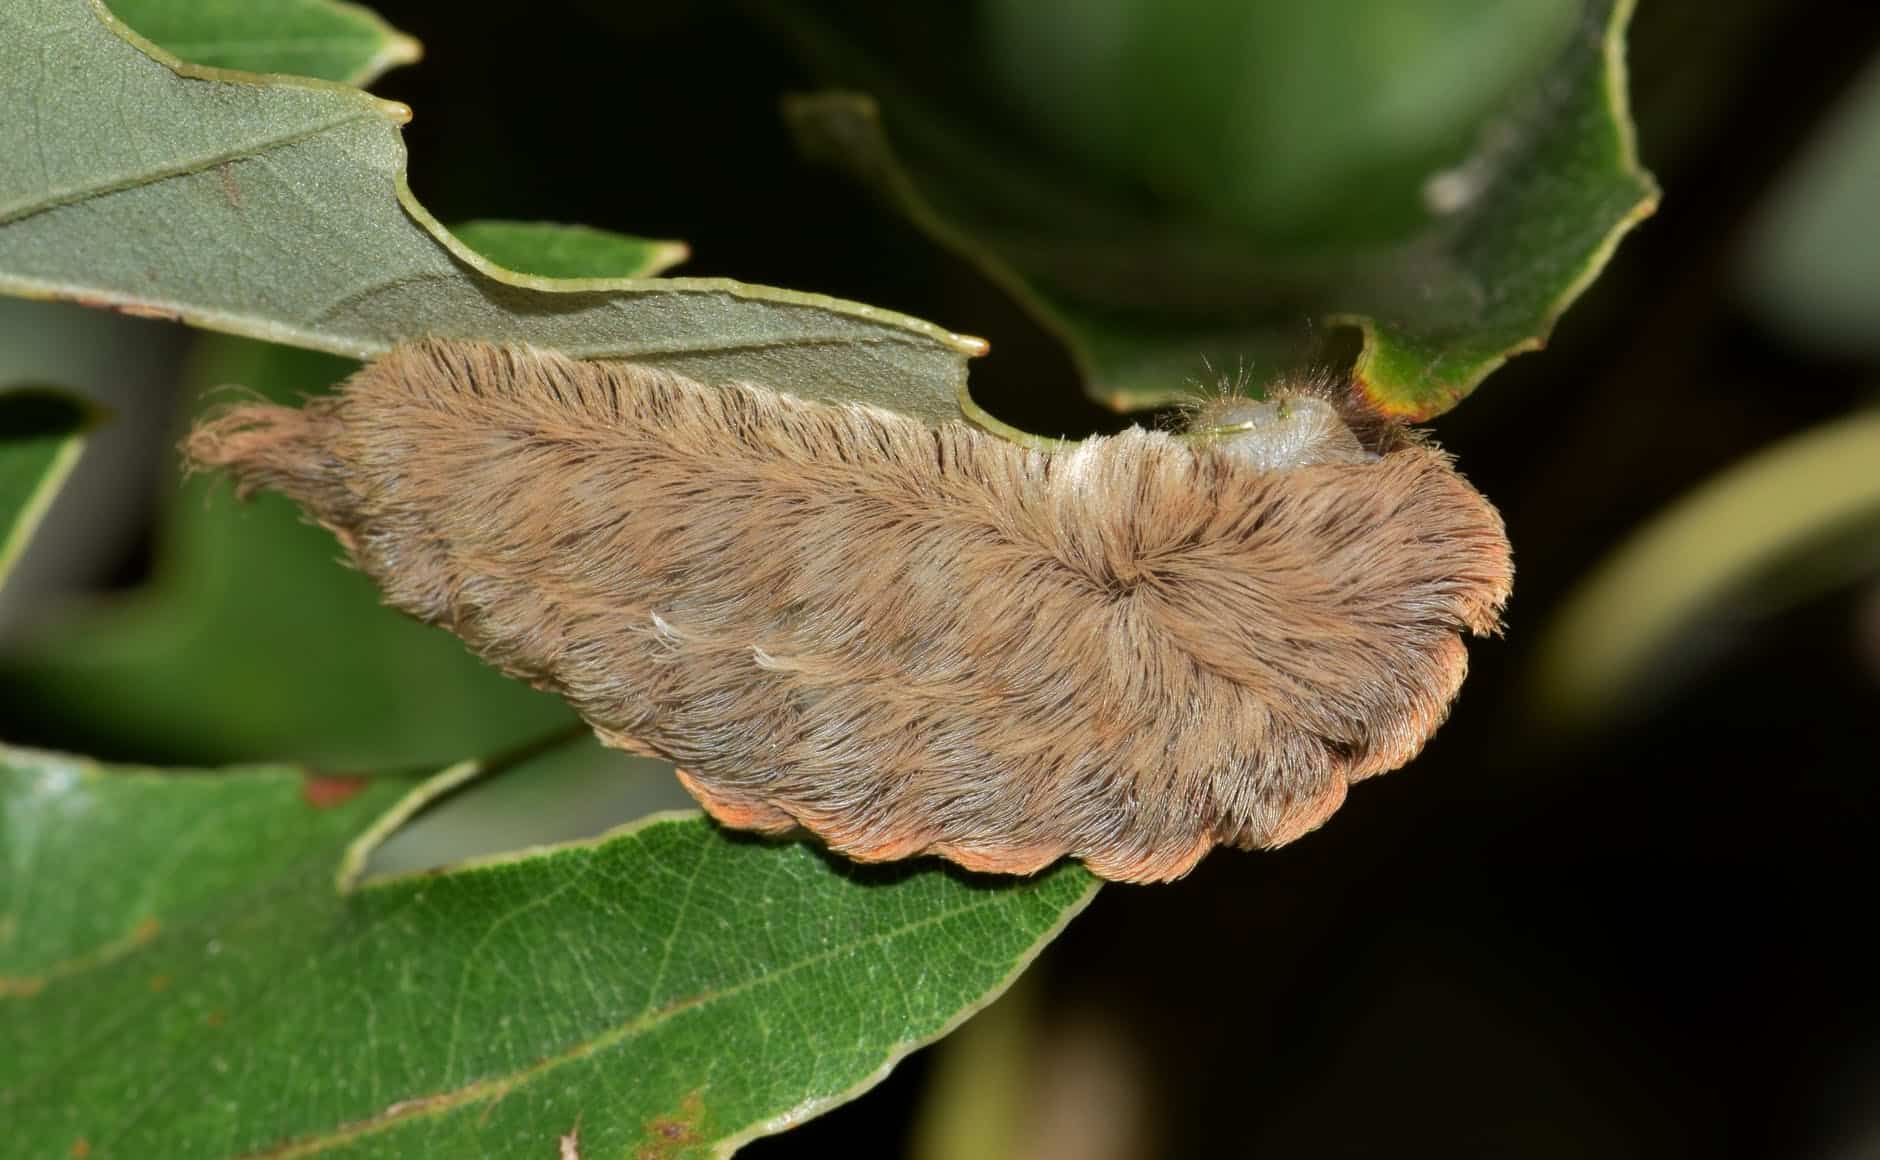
x=1375, y=433
x=265, y=447
x=907, y=639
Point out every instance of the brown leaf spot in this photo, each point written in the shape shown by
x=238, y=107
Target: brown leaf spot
x=81, y=1148
x=665, y=1137
x=1406, y=411
x=215, y=1018
x=230, y=189
x=140, y=310
x=323, y=793
x=159, y=983
x=134, y=309
x=145, y=930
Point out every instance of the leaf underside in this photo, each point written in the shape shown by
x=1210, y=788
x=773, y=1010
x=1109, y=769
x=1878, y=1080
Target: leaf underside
x=284, y=214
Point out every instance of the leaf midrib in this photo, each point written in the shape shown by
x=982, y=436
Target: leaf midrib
x=498, y=1086
x=490, y=1087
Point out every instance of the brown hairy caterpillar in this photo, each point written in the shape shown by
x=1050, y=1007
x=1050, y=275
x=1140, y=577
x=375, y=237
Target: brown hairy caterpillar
x=912, y=639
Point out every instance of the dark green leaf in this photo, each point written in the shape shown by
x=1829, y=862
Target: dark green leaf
x=182, y=977
x=1187, y=184
x=42, y=433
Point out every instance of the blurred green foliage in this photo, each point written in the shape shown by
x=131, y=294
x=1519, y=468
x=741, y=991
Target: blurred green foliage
x=1175, y=186
x=42, y=432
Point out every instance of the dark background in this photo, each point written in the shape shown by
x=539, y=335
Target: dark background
x=1649, y=938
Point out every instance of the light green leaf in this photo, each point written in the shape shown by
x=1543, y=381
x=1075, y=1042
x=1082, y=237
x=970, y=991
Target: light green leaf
x=42, y=433
x=1189, y=183
x=278, y=208
x=548, y=250
x=328, y=39
x=253, y=642
x=667, y=989
x=1795, y=496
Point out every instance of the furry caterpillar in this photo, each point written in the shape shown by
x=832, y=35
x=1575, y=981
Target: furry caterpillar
x=911, y=639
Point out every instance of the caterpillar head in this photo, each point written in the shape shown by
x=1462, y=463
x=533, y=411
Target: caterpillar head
x=1295, y=427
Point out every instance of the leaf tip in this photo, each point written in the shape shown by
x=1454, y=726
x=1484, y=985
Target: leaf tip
x=402, y=49
x=664, y=256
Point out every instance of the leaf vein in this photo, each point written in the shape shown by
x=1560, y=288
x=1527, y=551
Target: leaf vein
x=51, y=199
x=496, y=1087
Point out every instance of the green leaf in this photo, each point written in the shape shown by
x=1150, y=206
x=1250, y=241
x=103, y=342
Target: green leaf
x=1187, y=183
x=182, y=977
x=1794, y=498
x=327, y=39
x=42, y=432
x=191, y=668
x=253, y=642
x=278, y=208
x=98, y=862
x=548, y=250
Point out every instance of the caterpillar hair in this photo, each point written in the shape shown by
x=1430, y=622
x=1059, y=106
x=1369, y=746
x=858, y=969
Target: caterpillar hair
x=913, y=639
